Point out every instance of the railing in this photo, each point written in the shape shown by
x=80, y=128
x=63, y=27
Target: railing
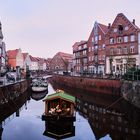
x=132, y=76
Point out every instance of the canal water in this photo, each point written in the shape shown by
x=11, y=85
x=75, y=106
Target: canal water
x=96, y=118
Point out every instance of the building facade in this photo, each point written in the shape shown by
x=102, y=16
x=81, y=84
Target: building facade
x=61, y=62
x=3, y=57
x=80, y=52
x=97, y=49
x=15, y=58
x=26, y=62
x=122, y=45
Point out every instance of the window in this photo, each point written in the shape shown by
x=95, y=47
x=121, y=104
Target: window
x=100, y=57
x=79, y=48
x=132, y=38
x=103, y=46
x=111, y=51
x=99, y=37
x=89, y=49
x=125, y=38
x=126, y=28
x=103, y=57
x=132, y=49
x=119, y=39
x=112, y=40
x=85, y=46
x=119, y=50
x=96, y=38
x=92, y=39
x=120, y=29
x=125, y=50
x=115, y=30
x=92, y=48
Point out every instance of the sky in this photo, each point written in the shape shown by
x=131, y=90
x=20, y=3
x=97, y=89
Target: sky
x=44, y=27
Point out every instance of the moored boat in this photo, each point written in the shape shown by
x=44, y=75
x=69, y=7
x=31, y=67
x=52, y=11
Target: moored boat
x=59, y=106
x=38, y=85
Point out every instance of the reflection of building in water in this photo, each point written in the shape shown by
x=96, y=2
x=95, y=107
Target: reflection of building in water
x=105, y=121
x=59, y=129
x=12, y=109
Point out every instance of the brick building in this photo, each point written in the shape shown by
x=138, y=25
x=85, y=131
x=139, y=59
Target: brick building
x=80, y=52
x=15, y=58
x=96, y=49
x=122, y=45
x=3, y=57
x=61, y=62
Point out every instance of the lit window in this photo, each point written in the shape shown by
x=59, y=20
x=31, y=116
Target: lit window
x=132, y=38
x=132, y=49
x=125, y=38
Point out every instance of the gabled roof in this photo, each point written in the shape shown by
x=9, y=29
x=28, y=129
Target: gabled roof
x=62, y=95
x=33, y=59
x=124, y=18
x=104, y=28
x=65, y=56
x=12, y=53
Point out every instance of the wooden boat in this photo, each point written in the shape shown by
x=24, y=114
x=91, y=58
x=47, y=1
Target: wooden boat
x=59, y=106
x=38, y=85
x=59, y=129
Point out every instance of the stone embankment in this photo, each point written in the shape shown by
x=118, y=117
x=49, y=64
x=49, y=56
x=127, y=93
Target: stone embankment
x=131, y=92
x=100, y=86
x=13, y=90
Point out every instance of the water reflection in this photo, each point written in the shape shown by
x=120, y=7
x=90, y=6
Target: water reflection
x=95, y=119
x=119, y=121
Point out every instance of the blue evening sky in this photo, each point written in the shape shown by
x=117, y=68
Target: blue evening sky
x=44, y=27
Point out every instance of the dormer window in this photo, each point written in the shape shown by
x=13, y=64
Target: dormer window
x=120, y=29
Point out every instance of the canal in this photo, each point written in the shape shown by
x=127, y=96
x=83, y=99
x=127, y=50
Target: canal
x=96, y=118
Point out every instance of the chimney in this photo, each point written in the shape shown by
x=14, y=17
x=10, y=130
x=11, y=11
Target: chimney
x=109, y=25
x=133, y=21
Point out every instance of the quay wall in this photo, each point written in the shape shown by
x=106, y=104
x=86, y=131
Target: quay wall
x=131, y=92
x=98, y=86
x=13, y=90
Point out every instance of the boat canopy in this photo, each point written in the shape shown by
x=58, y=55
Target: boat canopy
x=60, y=94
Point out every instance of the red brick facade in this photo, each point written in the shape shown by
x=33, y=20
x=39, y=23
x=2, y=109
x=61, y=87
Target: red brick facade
x=122, y=45
x=111, y=49
x=80, y=52
x=61, y=62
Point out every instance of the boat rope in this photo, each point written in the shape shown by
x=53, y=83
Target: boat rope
x=114, y=103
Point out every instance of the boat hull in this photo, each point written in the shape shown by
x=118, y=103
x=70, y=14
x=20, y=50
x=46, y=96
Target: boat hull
x=39, y=89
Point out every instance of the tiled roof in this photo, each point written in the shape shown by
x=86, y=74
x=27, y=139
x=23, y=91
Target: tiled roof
x=12, y=53
x=65, y=56
x=104, y=27
x=33, y=59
